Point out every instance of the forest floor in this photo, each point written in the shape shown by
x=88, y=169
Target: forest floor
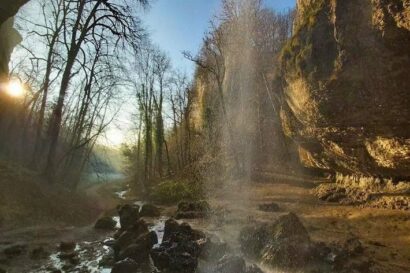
x=385, y=234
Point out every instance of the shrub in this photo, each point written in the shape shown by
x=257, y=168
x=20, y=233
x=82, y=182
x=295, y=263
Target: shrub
x=174, y=191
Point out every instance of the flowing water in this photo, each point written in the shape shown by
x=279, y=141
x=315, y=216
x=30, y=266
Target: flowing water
x=90, y=254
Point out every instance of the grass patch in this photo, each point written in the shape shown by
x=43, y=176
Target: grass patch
x=174, y=191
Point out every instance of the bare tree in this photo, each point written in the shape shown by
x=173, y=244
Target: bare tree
x=85, y=21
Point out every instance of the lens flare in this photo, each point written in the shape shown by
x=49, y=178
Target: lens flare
x=15, y=89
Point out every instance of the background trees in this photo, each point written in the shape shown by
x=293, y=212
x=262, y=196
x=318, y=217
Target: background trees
x=70, y=63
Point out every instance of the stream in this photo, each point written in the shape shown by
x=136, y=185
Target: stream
x=91, y=253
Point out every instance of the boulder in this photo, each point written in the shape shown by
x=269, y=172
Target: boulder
x=107, y=260
x=67, y=246
x=192, y=210
x=285, y=243
x=353, y=246
x=128, y=215
x=194, y=206
x=213, y=248
x=39, y=253
x=125, y=266
x=149, y=210
x=174, y=258
x=231, y=264
x=15, y=250
x=253, y=239
x=140, y=250
x=190, y=215
x=290, y=244
x=130, y=236
x=171, y=227
x=118, y=233
x=109, y=242
x=53, y=269
x=269, y=207
x=105, y=223
x=180, y=248
x=330, y=192
x=253, y=269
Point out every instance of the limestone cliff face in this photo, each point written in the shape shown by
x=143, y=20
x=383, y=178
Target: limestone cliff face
x=8, y=36
x=346, y=78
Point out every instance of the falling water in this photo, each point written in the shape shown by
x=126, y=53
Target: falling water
x=239, y=93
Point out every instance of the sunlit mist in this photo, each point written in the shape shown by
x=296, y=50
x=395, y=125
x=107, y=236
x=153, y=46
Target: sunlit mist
x=15, y=89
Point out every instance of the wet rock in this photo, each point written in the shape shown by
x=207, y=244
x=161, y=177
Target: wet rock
x=363, y=266
x=128, y=215
x=330, y=193
x=180, y=248
x=52, y=269
x=269, y=207
x=171, y=227
x=253, y=239
x=105, y=223
x=320, y=251
x=353, y=247
x=67, y=246
x=290, y=244
x=173, y=258
x=285, y=243
x=376, y=243
x=149, y=210
x=125, y=266
x=231, y=264
x=192, y=210
x=213, y=248
x=39, y=253
x=109, y=242
x=83, y=269
x=71, y=257
x=107, y=260
x=118, y=233
x=253, y=269
x=15, y=250
x=67, y=255
x=130, y=236
x=190, y=215
x=140, y=250
x=67, y=267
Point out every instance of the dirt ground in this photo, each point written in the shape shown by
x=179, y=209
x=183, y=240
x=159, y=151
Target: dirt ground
x=384, y=233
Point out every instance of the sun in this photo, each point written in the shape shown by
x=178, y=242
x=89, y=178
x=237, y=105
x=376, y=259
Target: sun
x=15, y=89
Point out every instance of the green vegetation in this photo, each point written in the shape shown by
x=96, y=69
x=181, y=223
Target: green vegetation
x=174, y=191
x=298, y=49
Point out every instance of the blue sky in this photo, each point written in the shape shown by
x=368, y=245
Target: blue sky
x=178, y=25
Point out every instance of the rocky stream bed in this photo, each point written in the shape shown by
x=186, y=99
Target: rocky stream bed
x=142, y=239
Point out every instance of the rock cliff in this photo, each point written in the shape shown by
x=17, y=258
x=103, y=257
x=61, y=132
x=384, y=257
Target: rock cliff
x=8, y=36
x=345, y=75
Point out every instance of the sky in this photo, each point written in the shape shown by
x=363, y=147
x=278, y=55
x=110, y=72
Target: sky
x=180, y=25
x=176, y=26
